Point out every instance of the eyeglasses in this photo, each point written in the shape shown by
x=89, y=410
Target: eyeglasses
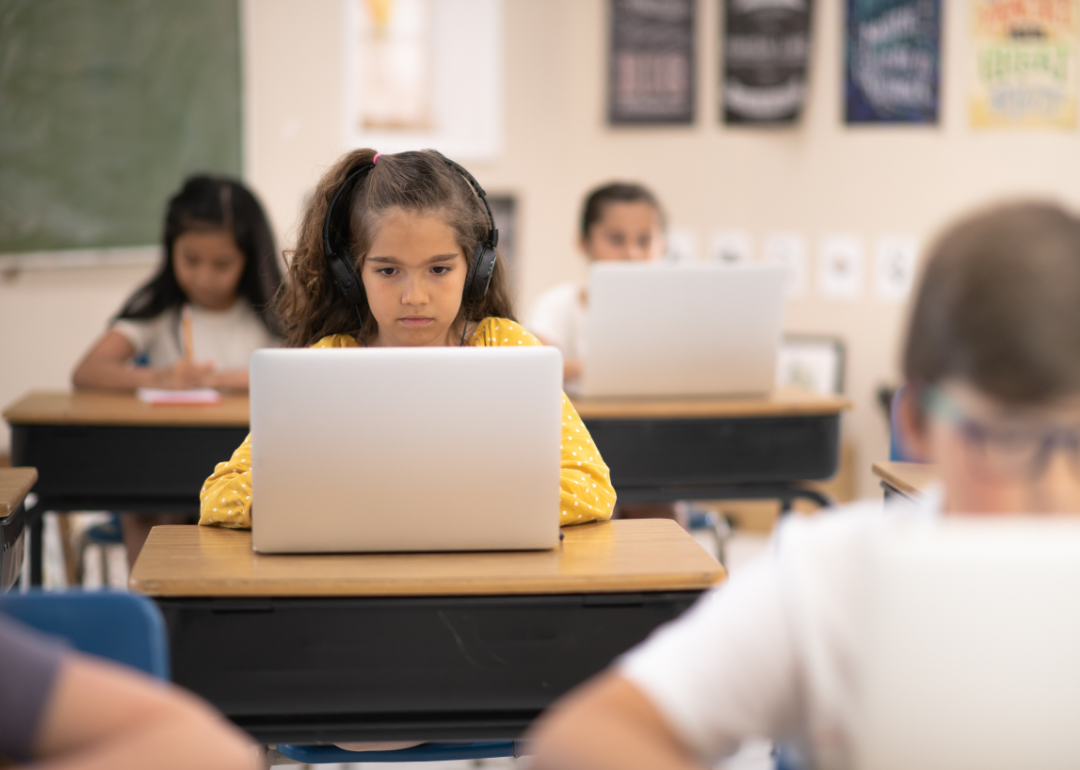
x=1005, y=450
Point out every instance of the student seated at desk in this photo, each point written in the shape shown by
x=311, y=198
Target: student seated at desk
x=620, y=222
x=219, y=263
x=993, y=396
x=409, y=230
x=65, y=710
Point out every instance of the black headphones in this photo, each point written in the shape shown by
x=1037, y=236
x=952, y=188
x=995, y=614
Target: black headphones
x=481, y=268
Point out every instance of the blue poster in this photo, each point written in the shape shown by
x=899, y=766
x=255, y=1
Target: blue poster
x=893, y=61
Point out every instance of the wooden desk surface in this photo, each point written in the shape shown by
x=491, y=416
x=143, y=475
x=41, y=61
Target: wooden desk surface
x=908, y=478
x=14, y=484
x=603, y=557
x=99, y=407
x=90, y=407
x=781, y=402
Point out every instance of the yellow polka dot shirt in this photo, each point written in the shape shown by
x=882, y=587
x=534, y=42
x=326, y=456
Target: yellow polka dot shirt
x=586, y=493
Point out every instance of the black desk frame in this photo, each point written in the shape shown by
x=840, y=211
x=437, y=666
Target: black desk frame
x=323, y=670
x=719, y=458
x=155, y=469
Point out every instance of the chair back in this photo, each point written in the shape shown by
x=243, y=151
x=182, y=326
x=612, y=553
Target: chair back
x=897, y=451
x=126, y=628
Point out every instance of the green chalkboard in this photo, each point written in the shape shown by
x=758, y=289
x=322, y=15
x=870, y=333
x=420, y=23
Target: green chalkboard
x=105, y=107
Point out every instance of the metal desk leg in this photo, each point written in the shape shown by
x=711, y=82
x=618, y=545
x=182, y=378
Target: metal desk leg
x=37, y=543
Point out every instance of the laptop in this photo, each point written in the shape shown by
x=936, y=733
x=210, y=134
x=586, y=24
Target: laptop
x=973, y=657
x=405, y=449
x=682, y=330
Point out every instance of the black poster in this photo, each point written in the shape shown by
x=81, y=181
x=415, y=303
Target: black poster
x=893, y=61
x=766, y=52
x=651, y=66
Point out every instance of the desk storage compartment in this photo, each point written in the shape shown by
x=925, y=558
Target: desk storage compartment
x=12, y=547
x=457, y=668
x=712, y=452
x=122, y=467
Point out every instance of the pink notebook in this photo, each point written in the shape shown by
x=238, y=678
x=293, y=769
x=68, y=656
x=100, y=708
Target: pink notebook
x=160, y=397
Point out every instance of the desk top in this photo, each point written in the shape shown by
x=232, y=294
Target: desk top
x=602, y=557
x=101, y=407
x=14, y=484
x=907, y=478
x=781, y=402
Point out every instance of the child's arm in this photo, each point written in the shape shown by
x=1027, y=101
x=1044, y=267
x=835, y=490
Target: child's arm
x=108, y=365
x=102, y=716
x=571, y=366
x=726, y=670
x=586, y=493
x=608, y=724
x=233, y=379
x=225, y=499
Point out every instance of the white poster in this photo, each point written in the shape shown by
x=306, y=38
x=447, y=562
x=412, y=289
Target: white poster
x=682, y=245
x=789, y=249
x=895, y=266
x=731, y=247
x=840, y=268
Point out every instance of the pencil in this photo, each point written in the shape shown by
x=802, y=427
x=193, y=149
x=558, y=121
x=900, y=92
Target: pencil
x=189, y=338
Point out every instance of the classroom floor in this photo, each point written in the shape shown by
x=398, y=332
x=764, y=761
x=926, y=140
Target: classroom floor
x=107, y=566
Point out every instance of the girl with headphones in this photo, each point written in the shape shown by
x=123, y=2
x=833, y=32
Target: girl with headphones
x=401, y=251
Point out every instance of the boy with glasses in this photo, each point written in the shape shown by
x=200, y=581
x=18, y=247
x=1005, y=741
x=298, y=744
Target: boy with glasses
x=992, y=362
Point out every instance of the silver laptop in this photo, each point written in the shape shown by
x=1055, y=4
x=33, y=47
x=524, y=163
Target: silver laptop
x=405, y=449
x=973, y=657
x=682, y=330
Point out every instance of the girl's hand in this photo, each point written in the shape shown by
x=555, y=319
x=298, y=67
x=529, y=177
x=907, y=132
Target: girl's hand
x=571, y=370
x=186, y=374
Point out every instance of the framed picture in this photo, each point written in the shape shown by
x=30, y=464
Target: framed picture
x=811, y=362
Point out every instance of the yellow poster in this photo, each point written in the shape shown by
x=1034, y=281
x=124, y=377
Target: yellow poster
x=1025, y=63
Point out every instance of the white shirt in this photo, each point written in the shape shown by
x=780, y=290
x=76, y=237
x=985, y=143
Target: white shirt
x=769, y=653
x=558, y=318
x=226, y=337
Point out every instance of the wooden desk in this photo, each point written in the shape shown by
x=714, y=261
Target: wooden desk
x=15, y=483
x=717, y=448
x=458, y=646
x=108, y=451
x=906, y=480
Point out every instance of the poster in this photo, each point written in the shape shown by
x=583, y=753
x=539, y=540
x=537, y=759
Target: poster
x=893, y=61
x=765, y=52
x=1025, y=63
x=651, y=64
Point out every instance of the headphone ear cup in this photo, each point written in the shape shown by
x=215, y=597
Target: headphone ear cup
x=479, y=278
x=346, y=279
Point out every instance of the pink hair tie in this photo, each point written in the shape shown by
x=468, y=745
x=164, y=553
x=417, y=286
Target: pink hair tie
x=376, y=158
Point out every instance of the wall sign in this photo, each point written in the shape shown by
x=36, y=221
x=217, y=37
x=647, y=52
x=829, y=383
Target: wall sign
x=893, y=61
x=765, y=51
x=1025, y=68
x=651, y=63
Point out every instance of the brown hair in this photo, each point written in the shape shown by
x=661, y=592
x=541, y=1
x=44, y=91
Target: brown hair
x=999, y=306
x=597, y=201
x=310, y=304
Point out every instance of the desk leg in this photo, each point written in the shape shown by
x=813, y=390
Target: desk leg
x=36, y=544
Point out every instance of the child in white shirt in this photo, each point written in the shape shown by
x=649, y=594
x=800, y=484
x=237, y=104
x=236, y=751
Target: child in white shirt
x=992, y=363
x=619, y=222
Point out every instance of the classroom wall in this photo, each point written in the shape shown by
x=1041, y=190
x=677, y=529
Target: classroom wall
x=820, y=177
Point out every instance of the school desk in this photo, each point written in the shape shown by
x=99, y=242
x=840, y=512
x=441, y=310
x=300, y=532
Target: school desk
x=451, y=646
x=661, y=450
x=905, y=480
x=15, y=483
x=108, y=451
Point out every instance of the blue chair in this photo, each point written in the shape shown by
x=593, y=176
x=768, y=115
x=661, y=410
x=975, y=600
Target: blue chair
x=897, y=451
x=126, y=628
x=425, y=752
